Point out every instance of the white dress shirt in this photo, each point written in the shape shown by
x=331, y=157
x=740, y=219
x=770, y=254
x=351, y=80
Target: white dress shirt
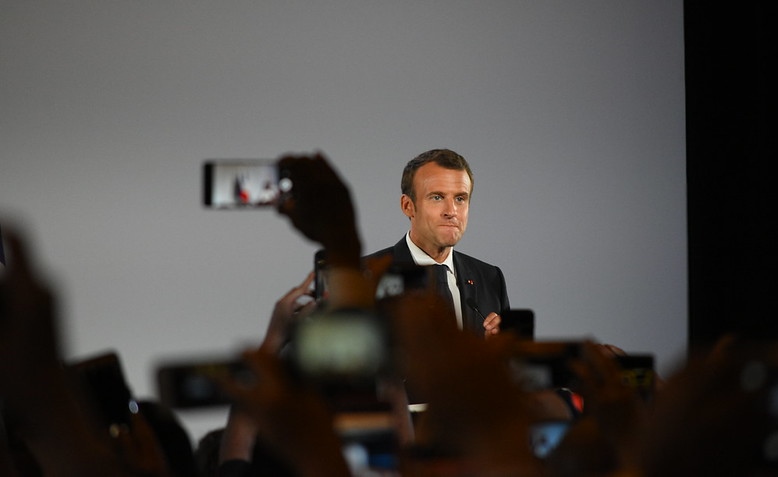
x=421, y=258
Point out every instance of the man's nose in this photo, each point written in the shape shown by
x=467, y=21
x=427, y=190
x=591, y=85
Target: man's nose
x=450, y=208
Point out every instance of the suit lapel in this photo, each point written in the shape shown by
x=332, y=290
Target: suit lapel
x=468, y=288
x=401, y=252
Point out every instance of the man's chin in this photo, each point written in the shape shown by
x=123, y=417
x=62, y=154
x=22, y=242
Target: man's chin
x=450, y=241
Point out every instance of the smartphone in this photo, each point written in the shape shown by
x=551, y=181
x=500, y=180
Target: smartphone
x=400, y=278
x=188, y=384
x=638, y=373
x=243, y=184
x=343, y=354
x=345, y=346
x=520, y=321
x=320, y=277
x=102, y=379
x=540, y=365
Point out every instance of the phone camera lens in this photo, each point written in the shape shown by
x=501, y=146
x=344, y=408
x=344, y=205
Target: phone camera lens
x=285, y=184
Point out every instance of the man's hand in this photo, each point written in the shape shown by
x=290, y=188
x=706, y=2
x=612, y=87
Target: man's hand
x=286, y=312
x=29, y=339
x=492, y=324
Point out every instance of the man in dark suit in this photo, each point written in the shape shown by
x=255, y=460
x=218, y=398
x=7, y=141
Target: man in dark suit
x=436, y=189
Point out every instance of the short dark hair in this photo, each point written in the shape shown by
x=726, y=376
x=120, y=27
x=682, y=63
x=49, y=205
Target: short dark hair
x=445, y=158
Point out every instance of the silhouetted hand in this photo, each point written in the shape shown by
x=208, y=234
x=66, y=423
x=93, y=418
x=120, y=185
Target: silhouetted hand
x=286, y=312
x=320, y=207
x=50, y=413
x=28, y=337
x=617, y=409
x=716, y=417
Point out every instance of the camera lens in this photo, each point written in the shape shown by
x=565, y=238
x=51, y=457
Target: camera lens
x=285, y=184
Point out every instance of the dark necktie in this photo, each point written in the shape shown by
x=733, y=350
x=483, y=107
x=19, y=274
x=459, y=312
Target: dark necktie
x=441, y=276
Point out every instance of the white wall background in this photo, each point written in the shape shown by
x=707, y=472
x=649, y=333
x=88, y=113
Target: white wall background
x=571, y=114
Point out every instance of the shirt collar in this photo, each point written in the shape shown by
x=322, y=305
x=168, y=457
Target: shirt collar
x=421, y=258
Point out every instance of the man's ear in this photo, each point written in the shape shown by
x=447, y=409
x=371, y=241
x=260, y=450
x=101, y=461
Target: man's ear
x=407, y=206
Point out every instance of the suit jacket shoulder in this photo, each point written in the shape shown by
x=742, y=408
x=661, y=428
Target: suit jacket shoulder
x=399, y=251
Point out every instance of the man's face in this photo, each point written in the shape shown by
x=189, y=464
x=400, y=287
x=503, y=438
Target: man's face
x=439, y=214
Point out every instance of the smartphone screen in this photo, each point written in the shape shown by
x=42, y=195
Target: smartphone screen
x=341, y=345
x=240, y=183
x=546, y=436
